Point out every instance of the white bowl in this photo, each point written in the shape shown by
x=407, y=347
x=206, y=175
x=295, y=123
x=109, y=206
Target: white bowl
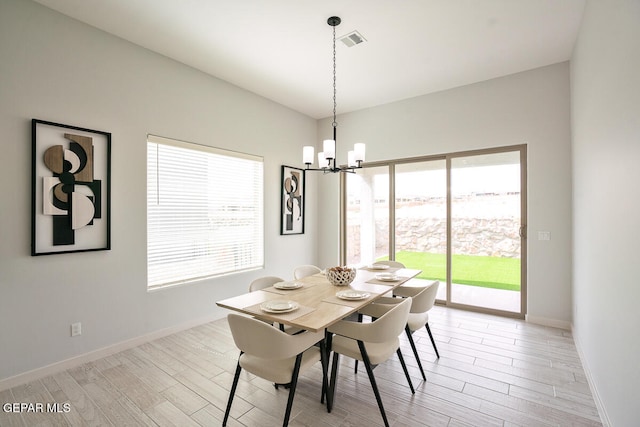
x=341, y=276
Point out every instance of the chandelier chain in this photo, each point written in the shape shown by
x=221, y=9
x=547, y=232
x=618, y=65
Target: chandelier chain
x=334, y=78
x=327, y=162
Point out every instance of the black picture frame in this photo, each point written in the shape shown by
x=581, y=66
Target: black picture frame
x=71, y=189
x=292, y=200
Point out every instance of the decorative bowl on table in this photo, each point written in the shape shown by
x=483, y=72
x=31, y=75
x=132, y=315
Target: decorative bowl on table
x=341, y=276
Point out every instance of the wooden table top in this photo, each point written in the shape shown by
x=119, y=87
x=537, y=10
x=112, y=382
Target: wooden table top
x=318, y=305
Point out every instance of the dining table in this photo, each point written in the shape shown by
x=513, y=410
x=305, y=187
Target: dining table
x=312, y=303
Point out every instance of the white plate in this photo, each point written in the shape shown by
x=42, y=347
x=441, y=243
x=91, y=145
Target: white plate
x=388, y=277
x=352, y=295
x=378, y=267
x=287, y=285
x=278, y=306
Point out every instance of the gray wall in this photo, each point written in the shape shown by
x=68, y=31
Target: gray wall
x=530, y=107
x=57, y=69
x=605, y=96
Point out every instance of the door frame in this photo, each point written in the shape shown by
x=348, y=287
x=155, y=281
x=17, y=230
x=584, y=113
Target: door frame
x=521, y=148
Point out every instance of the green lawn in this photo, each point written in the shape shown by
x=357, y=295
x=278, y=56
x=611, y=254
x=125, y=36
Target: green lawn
x=484, y=271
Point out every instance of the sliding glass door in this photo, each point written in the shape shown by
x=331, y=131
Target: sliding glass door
x=486, y=223
x=367, y=215
x=460, y=218
x=421, y=219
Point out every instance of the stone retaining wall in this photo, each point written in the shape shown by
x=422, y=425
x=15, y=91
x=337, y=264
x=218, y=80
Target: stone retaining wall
x=470, y=236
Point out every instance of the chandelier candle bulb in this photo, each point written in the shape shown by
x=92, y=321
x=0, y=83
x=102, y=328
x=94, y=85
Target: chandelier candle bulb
x=307, y=154
x=359, y=150
x=322, y=161
x=351, y=159
x=329, y=146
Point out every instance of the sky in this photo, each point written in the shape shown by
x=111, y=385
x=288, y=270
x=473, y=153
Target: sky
x=432, y=183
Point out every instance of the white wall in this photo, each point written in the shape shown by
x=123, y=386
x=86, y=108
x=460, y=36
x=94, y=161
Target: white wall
x=57, y=69
x=605, y=97
x=530, y=107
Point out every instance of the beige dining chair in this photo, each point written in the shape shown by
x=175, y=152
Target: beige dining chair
x=372, y=343
x=423, y=299
x=393, y=264
x=275, y=356
x=263, y=282
x=305, y=270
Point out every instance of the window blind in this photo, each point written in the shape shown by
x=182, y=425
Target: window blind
x=204, y=211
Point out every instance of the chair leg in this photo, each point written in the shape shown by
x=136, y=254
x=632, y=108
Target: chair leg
x=355, y=369
x=406, y=372
x=432, y=340
x=415, y=351
x=332, y=387
x=236, y=377
x=326, y=389
x=292, y=389
x=276, y=385
x=325, y=366
x=372, y=380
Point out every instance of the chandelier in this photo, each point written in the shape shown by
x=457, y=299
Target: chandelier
x=327, y=158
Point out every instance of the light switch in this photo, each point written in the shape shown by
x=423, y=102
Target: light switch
x=76, y=329
x=544, y=235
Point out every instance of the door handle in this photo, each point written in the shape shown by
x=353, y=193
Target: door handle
x=523, y=231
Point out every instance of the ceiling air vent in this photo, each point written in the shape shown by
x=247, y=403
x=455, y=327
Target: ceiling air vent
x=352, y=39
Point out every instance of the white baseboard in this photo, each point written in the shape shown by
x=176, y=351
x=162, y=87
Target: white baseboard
x=544, y=321
x=38, y=373
x=604, y=417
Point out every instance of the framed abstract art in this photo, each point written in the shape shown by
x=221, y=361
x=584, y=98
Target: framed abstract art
x=292, y=201
x=71, y=189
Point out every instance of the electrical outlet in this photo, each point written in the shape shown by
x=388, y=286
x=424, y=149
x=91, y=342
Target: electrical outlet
x=76, y=329
x=544, y=235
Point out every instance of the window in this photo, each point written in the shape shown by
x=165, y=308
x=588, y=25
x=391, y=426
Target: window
x=204, y=212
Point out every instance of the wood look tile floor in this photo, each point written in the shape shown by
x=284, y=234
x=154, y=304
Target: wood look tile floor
x=492, y=371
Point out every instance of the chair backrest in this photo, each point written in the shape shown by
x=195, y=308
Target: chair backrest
x=263, y=282
x=257, y=338
x=394, y=264
x=391, y=324
x=305, y=270
x=424, y=300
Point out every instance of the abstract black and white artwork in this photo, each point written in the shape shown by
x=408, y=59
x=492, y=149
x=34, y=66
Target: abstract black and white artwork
x=292, y=203
x=70, y=189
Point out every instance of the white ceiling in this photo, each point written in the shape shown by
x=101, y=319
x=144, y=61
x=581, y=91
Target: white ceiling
x=282, y=49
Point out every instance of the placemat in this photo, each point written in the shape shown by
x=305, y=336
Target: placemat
x=371, y=287
x=301, y=311
x=377, y=270
x=351, y=303
x=382, y=282
x=318, y=277
x=288, y=291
